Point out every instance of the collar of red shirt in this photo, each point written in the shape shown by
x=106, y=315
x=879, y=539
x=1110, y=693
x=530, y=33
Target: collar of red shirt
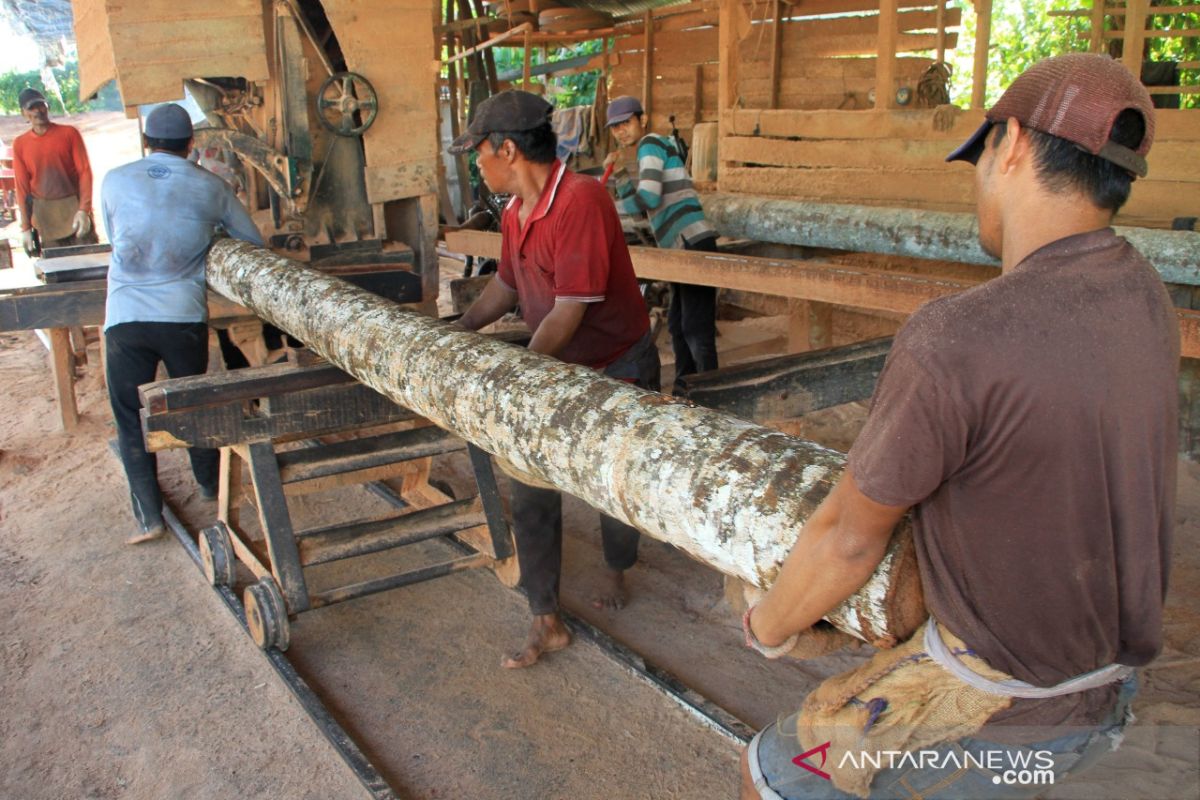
x=545, y=200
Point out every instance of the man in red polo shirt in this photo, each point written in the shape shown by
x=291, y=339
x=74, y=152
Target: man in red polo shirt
x=565, y=261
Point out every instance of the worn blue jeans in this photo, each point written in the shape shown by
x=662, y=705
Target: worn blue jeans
x=771, y=755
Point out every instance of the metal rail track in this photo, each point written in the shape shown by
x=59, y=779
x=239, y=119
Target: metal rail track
x=695, y=705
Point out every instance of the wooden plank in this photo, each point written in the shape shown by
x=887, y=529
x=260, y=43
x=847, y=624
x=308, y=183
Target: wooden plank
x=236, y=386
x=893, y=187
x=806, y=280
x=1132, y=35
x=276, y=525
x=62, y=364
x=834, y=124
x=399, y=181
x=914, y=153
x=97, y=63
x=885, y=62
x=824, y=281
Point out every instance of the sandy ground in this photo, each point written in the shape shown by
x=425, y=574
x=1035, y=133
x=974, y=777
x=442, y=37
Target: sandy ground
x=124, y=677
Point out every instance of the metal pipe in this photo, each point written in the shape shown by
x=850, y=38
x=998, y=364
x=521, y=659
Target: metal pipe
x=730, y=493
x=942, y=235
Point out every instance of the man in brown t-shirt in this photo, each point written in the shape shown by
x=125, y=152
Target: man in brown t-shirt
x=1030, y=425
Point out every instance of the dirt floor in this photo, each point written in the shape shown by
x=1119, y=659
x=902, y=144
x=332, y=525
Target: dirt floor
x=123, y=676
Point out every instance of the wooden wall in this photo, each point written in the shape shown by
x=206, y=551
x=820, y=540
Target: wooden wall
x=804, y=62
x=896, y=158
x=151, y=46
x=391, y=43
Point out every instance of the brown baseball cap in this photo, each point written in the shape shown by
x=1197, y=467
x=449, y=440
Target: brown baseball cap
x=1076, y=97
x=512, y=110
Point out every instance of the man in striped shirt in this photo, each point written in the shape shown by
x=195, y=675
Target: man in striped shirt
x=664, y=191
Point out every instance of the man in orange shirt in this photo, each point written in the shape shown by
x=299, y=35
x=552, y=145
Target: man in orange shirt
x=54, y=180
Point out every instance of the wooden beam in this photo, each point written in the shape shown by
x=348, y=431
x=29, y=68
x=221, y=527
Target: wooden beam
x=885, y=63
x=1134, y=35
x=983, y=40
x=791, y=386
x=524, y=27
x=527, y=62
x=814, y=279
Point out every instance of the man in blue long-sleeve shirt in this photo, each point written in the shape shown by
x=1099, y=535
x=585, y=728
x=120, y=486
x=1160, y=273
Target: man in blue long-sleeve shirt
x=160, y=214
x=664, y=191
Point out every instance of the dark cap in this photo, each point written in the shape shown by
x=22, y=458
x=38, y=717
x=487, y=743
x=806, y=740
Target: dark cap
x=30, y=97
x=1076, y=97
x=623, y=108
x=512, y=110
x=168, y=121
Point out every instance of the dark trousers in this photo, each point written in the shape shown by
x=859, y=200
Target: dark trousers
x=692, y=323
x=537, y=513
x=537, y=528
x=133, y=351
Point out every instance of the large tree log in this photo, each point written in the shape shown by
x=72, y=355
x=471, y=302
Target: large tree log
x=728, y=492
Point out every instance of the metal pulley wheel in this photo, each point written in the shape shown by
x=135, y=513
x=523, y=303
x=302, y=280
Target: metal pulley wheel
x=340, y=97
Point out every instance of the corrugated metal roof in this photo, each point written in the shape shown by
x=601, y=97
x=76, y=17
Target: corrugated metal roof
x=619, y=8
x=47, y=21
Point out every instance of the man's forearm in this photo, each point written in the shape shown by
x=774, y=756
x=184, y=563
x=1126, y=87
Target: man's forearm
x=496, y=301
x=557, y=328
x=838, y=549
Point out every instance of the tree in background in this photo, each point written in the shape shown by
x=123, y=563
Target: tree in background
x=1025, y=33
x=67, y=76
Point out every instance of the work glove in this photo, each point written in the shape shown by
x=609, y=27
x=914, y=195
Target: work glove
x=81, y=225
x=27, y=241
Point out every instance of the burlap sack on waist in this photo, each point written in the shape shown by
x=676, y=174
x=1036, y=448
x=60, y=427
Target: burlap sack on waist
x=900, y=700
x=53, y=218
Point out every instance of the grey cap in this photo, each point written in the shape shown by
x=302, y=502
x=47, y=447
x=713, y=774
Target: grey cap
x=622, y=108
x=513, y=110
x=30, y=97
x=168, y=121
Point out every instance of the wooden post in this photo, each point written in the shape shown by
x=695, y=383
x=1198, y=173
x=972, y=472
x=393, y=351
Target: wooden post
x=776, y=52
x=885, y=61
x=983, y=38
x=460, y=162
x=427, y=256
x=698, y=95
x=810, y=326
x=63, y=364
x=941, y=31
x=1096, y=40
x=527, y=69
x=727, y=53
x=1135, y=35
x=647, y=63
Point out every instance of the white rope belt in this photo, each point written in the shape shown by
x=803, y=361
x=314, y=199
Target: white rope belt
x=937, y=650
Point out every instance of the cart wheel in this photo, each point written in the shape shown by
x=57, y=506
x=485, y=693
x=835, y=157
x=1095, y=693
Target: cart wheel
x=216, y=554
x=266, y=614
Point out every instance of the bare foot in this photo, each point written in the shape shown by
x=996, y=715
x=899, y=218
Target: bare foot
x=612, y=594
x=546, y=634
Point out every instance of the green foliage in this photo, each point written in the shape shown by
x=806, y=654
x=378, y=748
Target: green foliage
x=67, y=76
x=1025, y=33
x=565, y=91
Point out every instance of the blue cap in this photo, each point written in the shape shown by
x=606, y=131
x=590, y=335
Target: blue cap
x=168, y=121
x=622, y=108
